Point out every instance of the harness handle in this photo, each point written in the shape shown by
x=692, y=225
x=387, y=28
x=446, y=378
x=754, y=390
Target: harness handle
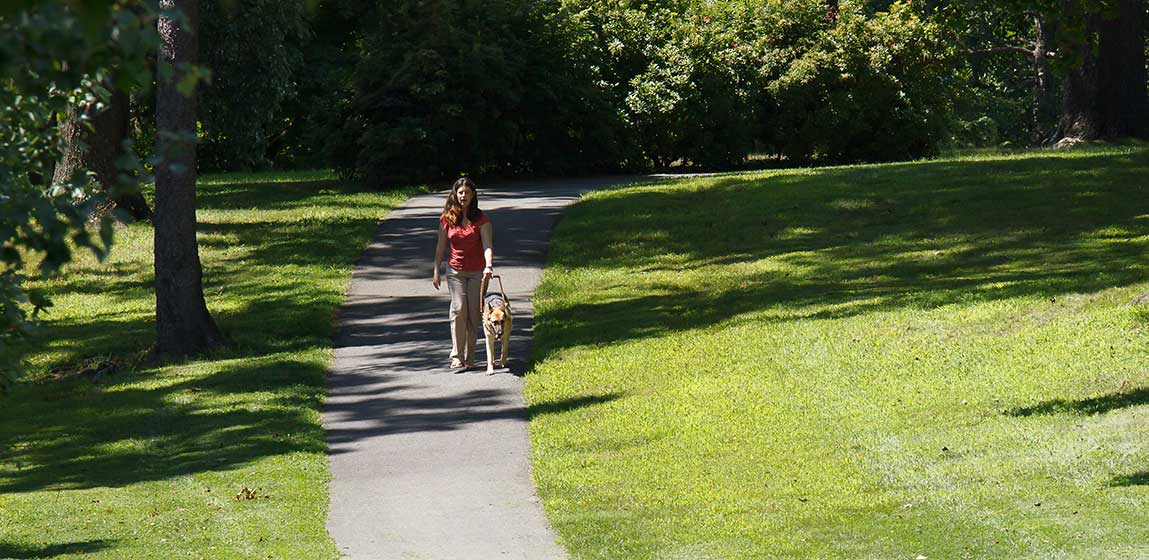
x=487, y=281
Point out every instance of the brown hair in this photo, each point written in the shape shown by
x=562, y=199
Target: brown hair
x=453, y=210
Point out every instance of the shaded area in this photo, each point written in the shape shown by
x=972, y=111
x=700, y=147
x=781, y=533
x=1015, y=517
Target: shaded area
x=245, y=262
x=849, y=241
x=280, y=194
x=1135, y=479
x=278, y=285
x=1089, y=406
x=117, y=436
x=20, y=552
x=564, y=405
x=369, y=405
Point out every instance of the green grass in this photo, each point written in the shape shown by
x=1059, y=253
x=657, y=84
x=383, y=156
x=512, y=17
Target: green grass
x=149, y=463
x=886, y=361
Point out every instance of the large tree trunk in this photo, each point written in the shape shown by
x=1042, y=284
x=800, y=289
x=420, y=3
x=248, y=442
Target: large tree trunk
x=95, y=149
x=183, y=324
x=1105, y=95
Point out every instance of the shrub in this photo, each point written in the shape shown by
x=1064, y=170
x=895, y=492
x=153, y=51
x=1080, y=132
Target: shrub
x=869, y=88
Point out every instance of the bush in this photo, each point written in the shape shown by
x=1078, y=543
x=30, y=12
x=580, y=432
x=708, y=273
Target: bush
x=510, y=86
x=869, y=88
x=695, y=100
x=449, y=87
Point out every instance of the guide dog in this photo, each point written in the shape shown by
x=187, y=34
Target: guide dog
x=497, y=321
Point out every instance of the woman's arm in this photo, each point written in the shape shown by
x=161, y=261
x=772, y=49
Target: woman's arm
x=440, y=249
x=485, y=232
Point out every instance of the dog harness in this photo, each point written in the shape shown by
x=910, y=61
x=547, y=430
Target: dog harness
x=495, y=300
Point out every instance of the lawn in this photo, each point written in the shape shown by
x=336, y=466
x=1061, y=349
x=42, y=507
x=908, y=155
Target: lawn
x=929, y=359
x=222, y=457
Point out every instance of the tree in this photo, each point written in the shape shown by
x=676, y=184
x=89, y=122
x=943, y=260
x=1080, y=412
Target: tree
x=1096, y=48
x=1105, y=89
x=241, y=119
x=93, y=137
x=55, y=55
x=183, y=324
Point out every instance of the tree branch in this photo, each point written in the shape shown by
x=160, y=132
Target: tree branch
x=1002, y=50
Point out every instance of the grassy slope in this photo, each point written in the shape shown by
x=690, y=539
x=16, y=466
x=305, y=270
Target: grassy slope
x=865, y=362
x=149, y=464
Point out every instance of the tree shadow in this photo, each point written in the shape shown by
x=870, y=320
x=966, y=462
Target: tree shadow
x=291, y=243
x=847, y=241
x=1135, y=479
x=367, y=405
x=565, y=405
x=20, y=552
x=255, y=399
x=1090, y=406
x=117, y=435
x=276, y=195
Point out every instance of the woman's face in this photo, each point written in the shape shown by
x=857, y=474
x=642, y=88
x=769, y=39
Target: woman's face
x=464, y=195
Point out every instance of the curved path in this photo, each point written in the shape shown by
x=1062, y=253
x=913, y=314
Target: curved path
x=427, y=463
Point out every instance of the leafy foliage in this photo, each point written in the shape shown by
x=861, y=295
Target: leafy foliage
x=445, y=87
x=54, y=55
x=448, y=87
x=866, y=88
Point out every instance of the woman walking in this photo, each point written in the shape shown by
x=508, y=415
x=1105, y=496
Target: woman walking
x=468, y=232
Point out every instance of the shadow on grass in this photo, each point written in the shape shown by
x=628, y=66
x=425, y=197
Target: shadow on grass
x=298, y=243
x=20, y=552
x=256, y=399
x=850, y=241
x=118, y=435
x=270, y=196
x=569, y=404
x=1135, y=479
x=1090, y=406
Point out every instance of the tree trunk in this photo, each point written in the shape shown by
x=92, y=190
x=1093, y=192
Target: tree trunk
x=1105, y=95
x=95, y=149
x=1044, y=107
x=183, y=324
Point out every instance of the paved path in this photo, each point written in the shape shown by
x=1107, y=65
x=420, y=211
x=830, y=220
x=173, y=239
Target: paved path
x=425, y=463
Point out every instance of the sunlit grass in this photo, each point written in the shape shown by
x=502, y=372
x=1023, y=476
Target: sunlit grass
x=154, y=462
x=884, y=361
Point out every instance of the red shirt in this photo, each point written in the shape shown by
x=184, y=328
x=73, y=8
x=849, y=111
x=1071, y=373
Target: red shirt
x=466, y=245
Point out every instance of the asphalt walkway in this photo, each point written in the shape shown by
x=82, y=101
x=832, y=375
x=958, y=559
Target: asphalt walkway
x=426, y=463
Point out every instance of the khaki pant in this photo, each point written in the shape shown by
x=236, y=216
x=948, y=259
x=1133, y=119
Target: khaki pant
x=466, y=312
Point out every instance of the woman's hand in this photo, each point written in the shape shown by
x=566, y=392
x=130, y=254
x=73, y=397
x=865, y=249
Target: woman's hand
x=435, y=278
x=487, y=272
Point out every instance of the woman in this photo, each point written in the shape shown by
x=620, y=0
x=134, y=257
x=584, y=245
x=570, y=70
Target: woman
x=468, y=231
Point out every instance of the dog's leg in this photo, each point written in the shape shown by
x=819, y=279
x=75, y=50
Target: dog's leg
x=506, y=342
x=490, y=339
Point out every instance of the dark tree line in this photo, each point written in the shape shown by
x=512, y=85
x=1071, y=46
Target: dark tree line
x=418, y=89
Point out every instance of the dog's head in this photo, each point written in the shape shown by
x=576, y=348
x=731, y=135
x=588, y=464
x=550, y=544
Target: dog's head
x=493, y=318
